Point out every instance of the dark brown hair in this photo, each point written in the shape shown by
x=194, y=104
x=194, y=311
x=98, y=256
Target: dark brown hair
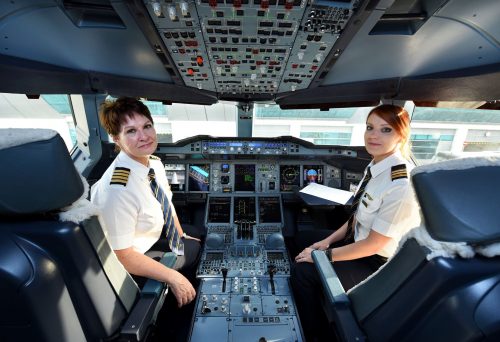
x=397, y=117
x=113, y=113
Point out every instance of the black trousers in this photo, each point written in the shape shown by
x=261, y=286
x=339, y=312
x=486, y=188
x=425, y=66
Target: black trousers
x=185, y=264
x=307, y=287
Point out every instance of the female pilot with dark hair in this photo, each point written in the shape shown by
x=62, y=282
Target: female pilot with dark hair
x=135, y=201
x=384, y=209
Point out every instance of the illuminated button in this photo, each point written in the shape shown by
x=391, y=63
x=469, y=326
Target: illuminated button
x=246, y=309
x=184, y=8
x=172, y=13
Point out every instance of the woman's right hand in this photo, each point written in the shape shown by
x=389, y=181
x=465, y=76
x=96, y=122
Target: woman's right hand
x=321, y=245
x=182, y=289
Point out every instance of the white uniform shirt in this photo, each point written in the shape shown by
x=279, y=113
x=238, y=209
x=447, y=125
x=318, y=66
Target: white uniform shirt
x=131, y=215
x=388, y=206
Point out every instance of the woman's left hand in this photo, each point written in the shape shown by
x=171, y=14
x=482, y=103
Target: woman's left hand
x=305, y=256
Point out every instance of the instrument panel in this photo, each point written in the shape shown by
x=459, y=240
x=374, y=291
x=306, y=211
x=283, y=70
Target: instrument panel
x=242, y=46
x=254, y=165
x=246, y=186
x=244, y=270
x=249, y=177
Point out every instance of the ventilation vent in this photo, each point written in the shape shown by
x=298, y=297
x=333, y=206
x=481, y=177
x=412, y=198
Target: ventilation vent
x=405, y=17
x=93, y=14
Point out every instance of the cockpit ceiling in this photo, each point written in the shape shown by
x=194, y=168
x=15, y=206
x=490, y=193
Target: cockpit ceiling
x=249, y=46
x=298, y=53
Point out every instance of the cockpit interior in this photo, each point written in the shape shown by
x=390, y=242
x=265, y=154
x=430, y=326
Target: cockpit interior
x=244, y=192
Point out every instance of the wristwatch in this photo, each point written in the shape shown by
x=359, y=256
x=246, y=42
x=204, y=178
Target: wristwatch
x=328, y=253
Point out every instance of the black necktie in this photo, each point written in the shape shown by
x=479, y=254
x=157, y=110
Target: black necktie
x=355, y=203
x=173, y=236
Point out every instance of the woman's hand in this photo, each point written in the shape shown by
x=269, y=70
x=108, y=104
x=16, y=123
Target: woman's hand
x=321, y=245
x=182, y=289
x=305, y=255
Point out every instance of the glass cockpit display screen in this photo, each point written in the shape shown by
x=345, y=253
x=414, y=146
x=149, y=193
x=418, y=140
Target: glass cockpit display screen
x=176, y=175
x=289, y=177
x=219, y=210
x=269, y=209
x=199, y=177
x=312, y=174
x=244, y=177
x=244, y=209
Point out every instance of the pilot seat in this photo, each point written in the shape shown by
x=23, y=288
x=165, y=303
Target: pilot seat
x=59, y=278
x=443, y=283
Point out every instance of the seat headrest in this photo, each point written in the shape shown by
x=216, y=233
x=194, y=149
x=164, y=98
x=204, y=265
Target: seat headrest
x=459, y=199
x=37, y=173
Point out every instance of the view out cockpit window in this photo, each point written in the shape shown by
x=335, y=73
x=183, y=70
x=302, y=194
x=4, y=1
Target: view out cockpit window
x=337, y=126
x=179, y=121
x=44, y=111
x=437, y=133
x=448, y=133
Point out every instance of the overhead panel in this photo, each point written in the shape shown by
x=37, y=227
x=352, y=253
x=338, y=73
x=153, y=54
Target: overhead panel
x=249, y=46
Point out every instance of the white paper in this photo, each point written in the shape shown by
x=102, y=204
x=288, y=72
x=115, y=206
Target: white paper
x=325, y=192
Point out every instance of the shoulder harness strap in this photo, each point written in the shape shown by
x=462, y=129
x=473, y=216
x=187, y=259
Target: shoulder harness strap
x=120, y=176
x=399, y=171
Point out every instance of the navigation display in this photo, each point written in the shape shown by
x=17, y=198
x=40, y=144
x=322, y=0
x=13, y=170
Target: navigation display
x=219, y=210
x=269, y=210
x=289, y=177
x=176, y=175
x=244, y=177
x=199, y=177
x=312, y=174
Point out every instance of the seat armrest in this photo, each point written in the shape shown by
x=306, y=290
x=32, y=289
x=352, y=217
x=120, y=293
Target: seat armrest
x=337, y=303
x=154, y=286
x=144, y=313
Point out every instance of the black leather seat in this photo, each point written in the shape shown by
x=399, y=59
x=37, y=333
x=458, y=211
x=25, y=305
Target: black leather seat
x=60, y=280
x=444, y=282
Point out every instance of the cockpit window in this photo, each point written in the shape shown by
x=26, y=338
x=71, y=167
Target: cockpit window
x=44, y=111
x=179, y=121
x=449, y=133
x=337, y=126
x=437, y=133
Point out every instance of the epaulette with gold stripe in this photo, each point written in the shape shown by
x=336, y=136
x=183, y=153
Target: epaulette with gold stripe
x=399, y=171
x=154, y=157
x=120, y=176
